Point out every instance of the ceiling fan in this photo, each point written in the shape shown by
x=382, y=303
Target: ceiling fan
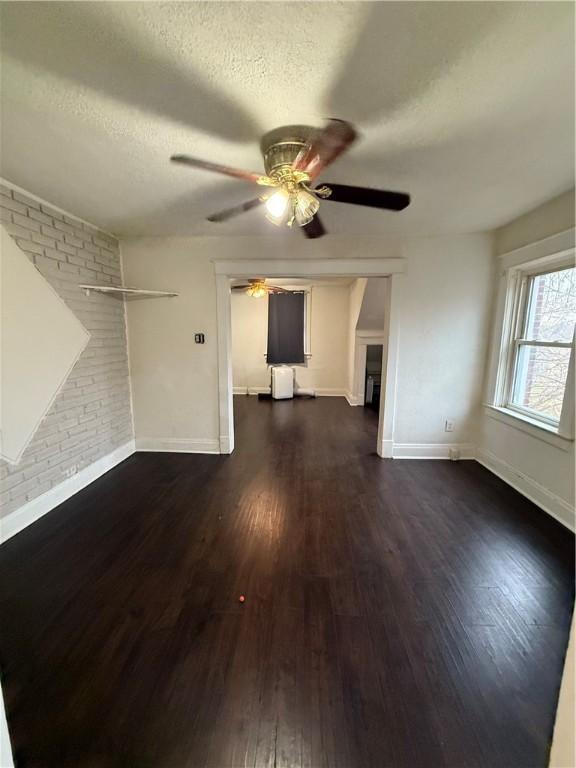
x=294, y=156
x=258, y=288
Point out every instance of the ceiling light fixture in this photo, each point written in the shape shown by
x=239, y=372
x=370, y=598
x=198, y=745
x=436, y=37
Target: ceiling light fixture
x=294, y=156
x=305, y=207
x=277, y=206
x=257, y=289
x=294, y=201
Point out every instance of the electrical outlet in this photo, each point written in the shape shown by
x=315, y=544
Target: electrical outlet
x=71, y=471
x=449, y=425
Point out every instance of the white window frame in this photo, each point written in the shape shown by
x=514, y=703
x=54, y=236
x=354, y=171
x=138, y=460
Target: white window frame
x=308, y=322
x=518, y=281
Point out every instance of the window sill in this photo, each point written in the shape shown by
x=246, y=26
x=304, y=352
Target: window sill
x=530, y=426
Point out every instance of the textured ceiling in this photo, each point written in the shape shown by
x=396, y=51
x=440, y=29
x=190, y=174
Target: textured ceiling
x=467, y=106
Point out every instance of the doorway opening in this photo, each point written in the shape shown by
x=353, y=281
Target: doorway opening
x=229, y=271
x=373, y=376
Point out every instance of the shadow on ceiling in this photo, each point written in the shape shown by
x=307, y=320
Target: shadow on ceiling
x=401, y=48
x=85, y=45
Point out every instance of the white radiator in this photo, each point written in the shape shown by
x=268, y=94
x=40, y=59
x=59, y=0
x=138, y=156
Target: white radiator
x=282, y=382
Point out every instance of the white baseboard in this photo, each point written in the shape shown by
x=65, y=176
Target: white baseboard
x=176, y=445
x=431, y=450
x=226, y=446
x=327, y=392
x=527, y=486
x=352, y=399
x=258, y=390
x=38, y=507
x=385, y=449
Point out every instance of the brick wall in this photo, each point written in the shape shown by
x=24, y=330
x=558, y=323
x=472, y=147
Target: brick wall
x=91, y=415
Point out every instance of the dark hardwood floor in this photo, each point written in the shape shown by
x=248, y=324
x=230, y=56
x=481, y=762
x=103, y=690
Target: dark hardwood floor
x=411, y=614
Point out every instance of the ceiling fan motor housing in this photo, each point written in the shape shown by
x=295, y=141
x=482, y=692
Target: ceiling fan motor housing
x=294, y=156
x=281, y=146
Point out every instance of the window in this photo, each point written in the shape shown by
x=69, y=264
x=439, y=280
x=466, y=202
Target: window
x=541, y=343
x=286, y=328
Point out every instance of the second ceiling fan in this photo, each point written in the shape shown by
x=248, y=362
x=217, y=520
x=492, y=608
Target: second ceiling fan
x=294, y=156
x=257, y=287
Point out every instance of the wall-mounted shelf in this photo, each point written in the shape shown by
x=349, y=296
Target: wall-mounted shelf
x=126, y=293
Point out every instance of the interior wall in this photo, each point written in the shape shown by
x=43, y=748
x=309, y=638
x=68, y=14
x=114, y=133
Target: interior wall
x=443, y=331
x=563, y=751
x=444, y=325
x=556, y=215
x=91, y=416
x=544, y=470
x=174, y=380
x=355, y=298
x=372, y=311
x=249, y=318
x=325, y=370
x=369, y=302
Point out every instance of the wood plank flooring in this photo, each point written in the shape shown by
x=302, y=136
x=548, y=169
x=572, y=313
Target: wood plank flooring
x=402, y=614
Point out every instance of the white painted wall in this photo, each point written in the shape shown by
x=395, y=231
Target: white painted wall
x=563, y=752
x=249, y=319
x=539, y=469
x=444, y=322
x=326, y=369
x=443, y=335
x=41, y=340
x=369, y=300
x=355, y=298
x=556, y=215
x=528, y=461
x=174, y=380
x=371, y=317
x=90, y=420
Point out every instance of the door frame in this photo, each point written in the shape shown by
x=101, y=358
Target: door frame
x=363, y=340
x=227, y=270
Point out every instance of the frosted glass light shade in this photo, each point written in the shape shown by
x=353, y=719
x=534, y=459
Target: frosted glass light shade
x=277, y=206
x=306, y=206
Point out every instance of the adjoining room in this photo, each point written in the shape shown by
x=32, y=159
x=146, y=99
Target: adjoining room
x=312, y=345
x=287, y=397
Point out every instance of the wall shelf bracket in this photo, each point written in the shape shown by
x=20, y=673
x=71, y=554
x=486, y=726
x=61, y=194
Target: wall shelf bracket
x=122, y=292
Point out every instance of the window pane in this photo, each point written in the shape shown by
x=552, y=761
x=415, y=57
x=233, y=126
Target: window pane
x=540, y=379
x=552, y=308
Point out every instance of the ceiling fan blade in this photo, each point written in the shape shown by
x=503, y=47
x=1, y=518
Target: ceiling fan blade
x=373, y=198
x=325, y=146
x=314, y=228
x=229, y=213
x=276, y=289
x=205, y=165
x=239, y=287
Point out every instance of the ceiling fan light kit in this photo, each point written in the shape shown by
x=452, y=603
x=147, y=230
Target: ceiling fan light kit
x=294, y=201
x=294, y=156
x=257, y=288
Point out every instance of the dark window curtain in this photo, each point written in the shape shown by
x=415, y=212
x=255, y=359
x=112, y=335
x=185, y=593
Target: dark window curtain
x=285, y=328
